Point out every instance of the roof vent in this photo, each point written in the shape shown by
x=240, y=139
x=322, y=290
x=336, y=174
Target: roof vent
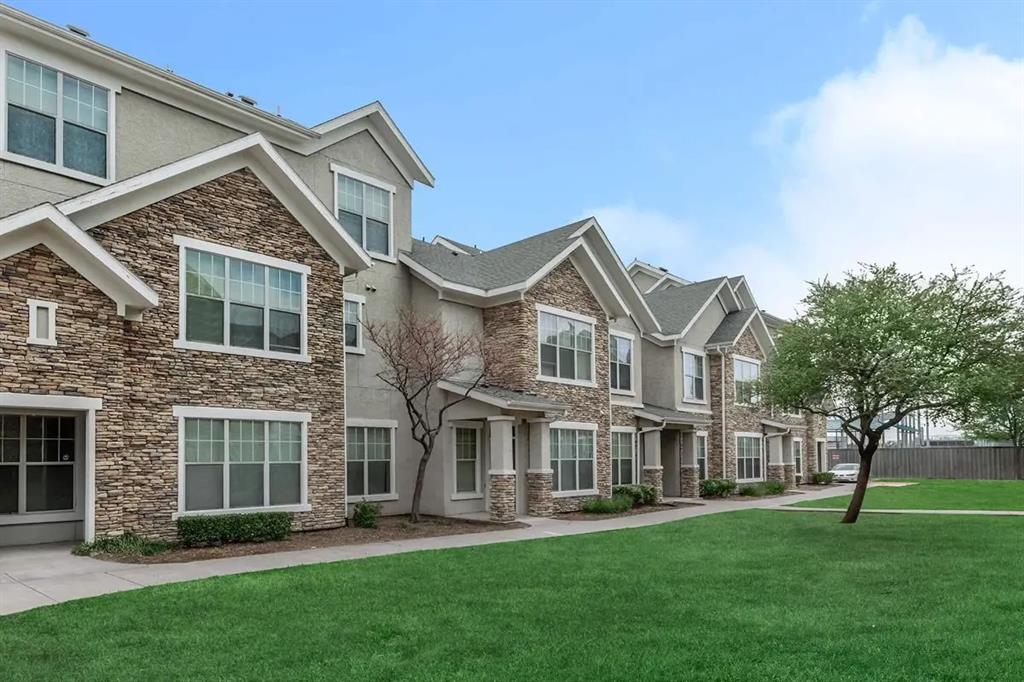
x=229, y=94
x=78, y=30
x=247, y=100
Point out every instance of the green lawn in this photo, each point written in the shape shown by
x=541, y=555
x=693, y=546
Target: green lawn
x=752, y=595
x=937, y=494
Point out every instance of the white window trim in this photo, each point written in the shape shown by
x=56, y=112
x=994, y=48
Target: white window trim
x=577, y=426
x=736, y=455
x=59, y=132
x=338, y=169
x=181, y=343
x=34, y=306
x=359, y=348
x=392, y=426
x=635, y=449
x=824, y=454
x=707, y=458
x=683, y=350
x=735, y=393
x=479, y=492
x=592, y=383
x=793, y=442
x=183, y=412
x=632, y=363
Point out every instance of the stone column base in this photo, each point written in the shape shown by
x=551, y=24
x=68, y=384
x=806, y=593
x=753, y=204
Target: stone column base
x=539, y=501
x=689, y=481
x=776, y=472
x=655, y=477
x=502, y=500
x=789, y=475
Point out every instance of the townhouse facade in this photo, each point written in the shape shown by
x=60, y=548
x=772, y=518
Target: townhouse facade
x=184, y=280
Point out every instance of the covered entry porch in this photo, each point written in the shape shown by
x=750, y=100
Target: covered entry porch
x=674, y=444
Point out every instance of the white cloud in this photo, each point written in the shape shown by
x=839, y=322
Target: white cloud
x=917, y=159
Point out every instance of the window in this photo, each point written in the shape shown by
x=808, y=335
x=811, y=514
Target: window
x=798, y=459
x=354, y=323
x=748, y=458
x=700, y=446
x=620, y=351
x=622, y=458
x=693, y=377
x=42, y=323
x=364, y=210
x=746, y=374
x=370, y=458
x=467, y=461
x=241, y=463
x=572, y=460
x=566, y=348
x=238, y=302
x=37, y=463
x=56, y=119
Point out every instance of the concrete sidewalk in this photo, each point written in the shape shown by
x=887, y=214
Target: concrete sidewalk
x=39, y=575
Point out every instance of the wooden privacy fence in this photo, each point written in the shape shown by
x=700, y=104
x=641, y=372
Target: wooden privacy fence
x=978, y=463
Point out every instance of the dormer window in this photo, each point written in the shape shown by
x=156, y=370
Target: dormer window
x=364, y=208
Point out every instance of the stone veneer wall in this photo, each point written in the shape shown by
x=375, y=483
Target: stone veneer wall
x=140, y=376
x=512, y=329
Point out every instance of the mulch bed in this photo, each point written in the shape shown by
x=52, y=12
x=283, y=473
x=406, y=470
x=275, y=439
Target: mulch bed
x=647, y=509
x=389, y=528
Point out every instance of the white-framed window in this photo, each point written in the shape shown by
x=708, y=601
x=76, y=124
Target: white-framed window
x=572, y=458
x=466, y=445
x=354, y=306
x=370, y=459
x=239, y=302
x=746, y=372
x=365, y=208
x=798, y=455
x=566, y=346
x=56, y=121
x=39, y=462
x=700, y=447
x=235, y=460
x=693, y=377
x=620, y=359
x=623, y=456
x=749, y=457
x=42, y=323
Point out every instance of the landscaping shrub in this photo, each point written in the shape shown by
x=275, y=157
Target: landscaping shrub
x=762, y=488
x=751, y=490
x=365, y=515
x=203, y=531
x=823, y=478
x=128, y=544
x=640, y=493
x=774, y=487
x=717, y=487
x=616, y=504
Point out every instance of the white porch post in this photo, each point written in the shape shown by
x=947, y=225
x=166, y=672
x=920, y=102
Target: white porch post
x=653, y=470
x=539, y=499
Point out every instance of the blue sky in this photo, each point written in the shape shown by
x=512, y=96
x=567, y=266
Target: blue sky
x=690, y=128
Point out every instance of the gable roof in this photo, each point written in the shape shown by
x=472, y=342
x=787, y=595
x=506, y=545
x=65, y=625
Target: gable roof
x=676, y=307
x=46, y=225
x=253, y=152
x=504, y=397
x=456, y=246
x=731, y=327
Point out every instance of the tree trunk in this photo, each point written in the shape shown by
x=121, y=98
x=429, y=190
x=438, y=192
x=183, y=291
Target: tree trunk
x=417, y=493
x=853, y=511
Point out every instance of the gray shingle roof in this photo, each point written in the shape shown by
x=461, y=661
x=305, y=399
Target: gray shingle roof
x=730, y=327
x=671, y=416
x=503, y=266
x=515, y=399
x=472, y=250
x=676, y=306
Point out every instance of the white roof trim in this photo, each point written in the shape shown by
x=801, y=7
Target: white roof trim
x=756, y=314
x=441, y=241
x=48, y=226
x=253, y=152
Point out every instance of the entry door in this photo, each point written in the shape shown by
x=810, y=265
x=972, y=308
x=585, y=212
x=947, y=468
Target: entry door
x=520, y=462
x=40, y=467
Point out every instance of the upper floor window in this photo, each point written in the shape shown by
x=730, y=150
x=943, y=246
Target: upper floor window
x=620, y=372
x=354, y=323
x=566, y=347
x=693, y=377
x=56, y=118
x=746, y=373
x=240, y=302
x=364, y=209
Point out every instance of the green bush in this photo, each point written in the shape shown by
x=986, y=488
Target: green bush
x=774, y=487
x=823, y=478
x=616, y=504
x=204, y=531
x=717, y=487
x=762, y=488
x=365, y=515
x=640, y=493
x=128, y=544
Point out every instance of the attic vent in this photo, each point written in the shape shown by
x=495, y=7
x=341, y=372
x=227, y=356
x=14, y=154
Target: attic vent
x=78, y=30
x=248, y=100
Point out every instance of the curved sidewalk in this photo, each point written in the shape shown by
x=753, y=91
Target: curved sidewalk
x=40, y=575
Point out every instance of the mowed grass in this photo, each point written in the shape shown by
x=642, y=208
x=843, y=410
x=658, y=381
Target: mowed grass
x=752, y=595
x=937, y=494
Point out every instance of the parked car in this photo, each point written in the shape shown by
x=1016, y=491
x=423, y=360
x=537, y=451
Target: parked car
x=846, y=473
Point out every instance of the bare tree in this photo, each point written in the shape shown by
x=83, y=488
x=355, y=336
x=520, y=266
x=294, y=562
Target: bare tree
x=417, y=353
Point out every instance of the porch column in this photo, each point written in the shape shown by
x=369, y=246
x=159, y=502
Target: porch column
x=689, y=485
x=653, y=471
x=788, y=462
x=539, y=501
x=501, y=473
x=776, y=466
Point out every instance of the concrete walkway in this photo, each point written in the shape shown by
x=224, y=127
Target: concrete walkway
x=39, y=575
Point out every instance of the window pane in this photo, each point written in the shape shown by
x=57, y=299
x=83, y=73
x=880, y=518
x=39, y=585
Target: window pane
x=285, y=332
x=548, y=329
x=31, y=86
x=85, y=150
x=49, y=487
x=285, y=484
x=465, y=476
x=246, y=441
x=42, y=322
x=566, y=363
x=350, y=195
x=379, y=475
x=31, y=134
x=355, y=477
x=246, y=326
x=377, y=239
x=285, y=290
x=583, y=365
x=246, y=283
x=548, y=360
x=85, y=104
x=204, y=274
x=378, y=204
x=567, y=469
x=353, y=224
x=625, y=378
x=246, y=485
x=285, y=442
x=355, y=443
x=352, y=321
x=204, y=486
x=586, y=480
x=351, y=336
x=8, y=489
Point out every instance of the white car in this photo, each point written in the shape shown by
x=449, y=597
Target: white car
x=846, y=473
